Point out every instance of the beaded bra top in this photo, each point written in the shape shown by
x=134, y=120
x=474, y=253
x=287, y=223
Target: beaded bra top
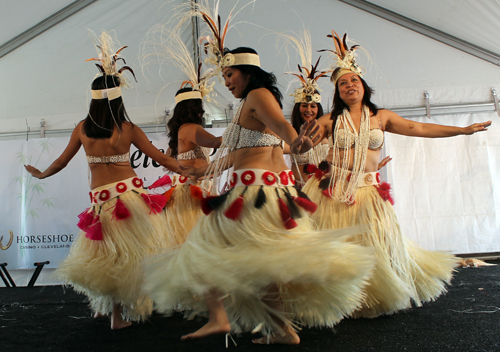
x=237, y=137
x=196, y=153
x=109, y=159
x=347, y=139
x=313, y=156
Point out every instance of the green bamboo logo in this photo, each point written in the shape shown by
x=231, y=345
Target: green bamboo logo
x=30, y=187
x=11, y=238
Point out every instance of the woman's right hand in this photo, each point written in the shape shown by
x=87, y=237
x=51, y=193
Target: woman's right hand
x=309, y=135
x=33, y=171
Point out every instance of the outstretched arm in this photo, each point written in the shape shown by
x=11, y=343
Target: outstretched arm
x=396, y=124
x=63, y=160
x=141, y=141
x=199, y=136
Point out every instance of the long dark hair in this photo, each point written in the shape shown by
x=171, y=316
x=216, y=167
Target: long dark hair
x=339, y=105
x=258, y=77
x=104, y=115
x=186, y=111
x=297, y=120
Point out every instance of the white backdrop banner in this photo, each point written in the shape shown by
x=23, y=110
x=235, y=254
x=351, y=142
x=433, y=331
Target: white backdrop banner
x=447, y=190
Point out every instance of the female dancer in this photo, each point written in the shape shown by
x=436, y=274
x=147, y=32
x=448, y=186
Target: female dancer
x=350, y=192
x=191, y=145
x=307, y=105
x=122, y=226
x=308, y=108
x=240, y=261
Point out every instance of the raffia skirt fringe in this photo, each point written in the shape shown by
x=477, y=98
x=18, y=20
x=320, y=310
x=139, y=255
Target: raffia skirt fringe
x=182, y=212
x=404, y=272
x=111, y=271
x=319, y=275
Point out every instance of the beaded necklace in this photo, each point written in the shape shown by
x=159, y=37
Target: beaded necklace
x=348, y=185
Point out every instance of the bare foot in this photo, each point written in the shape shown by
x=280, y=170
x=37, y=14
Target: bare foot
x=99, y=315
x=209, y=328
x=291, y=338
x=120, y=324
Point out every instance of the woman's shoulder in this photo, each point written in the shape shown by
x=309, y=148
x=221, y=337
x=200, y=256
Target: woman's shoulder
x=260, y=93
x=189, y=125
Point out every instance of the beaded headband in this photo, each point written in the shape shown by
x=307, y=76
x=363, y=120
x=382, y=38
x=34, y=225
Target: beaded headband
x=110, y=94
x=188, y=95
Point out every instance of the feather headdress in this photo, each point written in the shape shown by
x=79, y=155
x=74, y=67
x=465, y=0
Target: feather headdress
x=166, y=45
x=308, y=73
x=214, y=44
x=108, y=58
x=345, y=58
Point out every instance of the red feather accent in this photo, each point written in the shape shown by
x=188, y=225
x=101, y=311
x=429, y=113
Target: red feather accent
x=328, y=192
x=163, y=181
x=310, y=169
x=196, y=192
x=306, y=204
x=318, y=174
x=234, y=210
x=384, y=190
x=205, y=208
x=86, y=219
x=120, y=212
x=94, y=232
x=168, y=194
x=155, y=202
x=286, y=216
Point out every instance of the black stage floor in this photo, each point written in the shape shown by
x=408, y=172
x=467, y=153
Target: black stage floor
x=53, y=318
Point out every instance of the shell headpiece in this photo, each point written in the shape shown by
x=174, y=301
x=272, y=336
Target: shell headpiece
x=345, y=58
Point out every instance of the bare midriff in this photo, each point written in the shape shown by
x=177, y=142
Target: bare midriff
x=265, y=158
x=372, y=159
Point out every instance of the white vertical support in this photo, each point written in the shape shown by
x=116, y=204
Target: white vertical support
x=231, y=111
x=427, y=104
x=495, y=98
x=167, y=117
x=42, y=128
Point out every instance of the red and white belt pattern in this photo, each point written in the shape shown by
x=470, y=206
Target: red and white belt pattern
x=181, y=180
x=103, y=195
x=367, y=179
x=259, y=177
x=184, y=181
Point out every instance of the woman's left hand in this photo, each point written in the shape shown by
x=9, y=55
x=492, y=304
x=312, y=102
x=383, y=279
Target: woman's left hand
x=191, y=172
x=33, y=171
x=477, y=127
x=384, y=162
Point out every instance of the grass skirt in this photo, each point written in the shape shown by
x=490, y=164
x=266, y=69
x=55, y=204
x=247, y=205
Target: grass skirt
x=111, y=271
x=320, y=276
x=404, y=272
x=182, y=213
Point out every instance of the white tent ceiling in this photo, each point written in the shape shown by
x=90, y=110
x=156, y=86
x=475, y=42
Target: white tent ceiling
x=46, y=78
x=473, y=21
x=20, y=15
